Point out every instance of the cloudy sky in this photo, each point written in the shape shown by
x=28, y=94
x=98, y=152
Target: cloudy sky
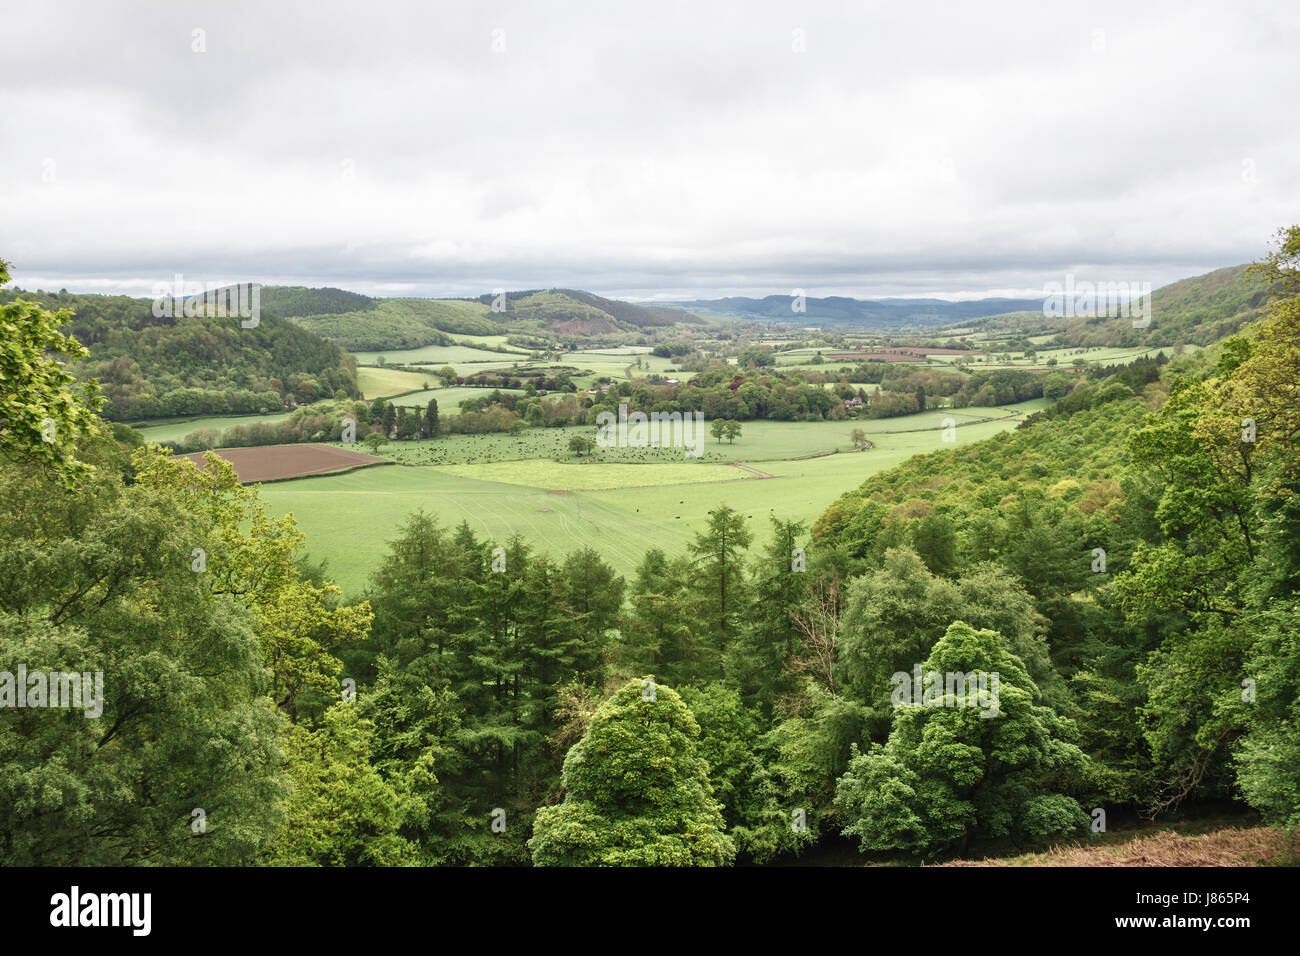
x=647, y=150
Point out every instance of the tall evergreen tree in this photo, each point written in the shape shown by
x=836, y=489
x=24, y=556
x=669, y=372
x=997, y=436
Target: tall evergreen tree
x=718, y=556
x=429, y=424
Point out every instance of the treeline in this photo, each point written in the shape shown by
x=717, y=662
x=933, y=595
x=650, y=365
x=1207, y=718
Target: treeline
x=1120, y=381
x=323, y=421
x=721, y=393
x=521, y=378
x=906, y=393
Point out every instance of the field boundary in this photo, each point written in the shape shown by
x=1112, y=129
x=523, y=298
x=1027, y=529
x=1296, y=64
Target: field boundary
x=322, y=474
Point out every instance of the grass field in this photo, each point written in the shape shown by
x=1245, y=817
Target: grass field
x=594, y=476
x=348, y=519
x=759, y=441
x=1064, y=357
x=482, y=341
x=449, y=399
x=383, y=382
x=531, y=484
x=869, y=387
x=438, y=355
x=617, y=351
x=175, y=431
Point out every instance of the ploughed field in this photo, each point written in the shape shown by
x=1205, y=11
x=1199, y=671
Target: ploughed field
x=276, y=462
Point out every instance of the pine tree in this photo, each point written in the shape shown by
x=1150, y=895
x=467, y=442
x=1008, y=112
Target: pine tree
x=429, y=426
x=761, y=661
x=717, y=553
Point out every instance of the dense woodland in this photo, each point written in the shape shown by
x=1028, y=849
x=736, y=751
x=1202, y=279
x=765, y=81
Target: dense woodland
x=151, y=367
x=1200, y=311
x=1127, y=562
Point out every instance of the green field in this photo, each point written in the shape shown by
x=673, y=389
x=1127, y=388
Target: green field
x=383, y=382
x=1064, y=357
x=617, y=351
x=532, y=485
x=482, y=341
x=175, y=431
x=802, y=357
x=438, y=355
x=449, y=399
x=348, y=519
x=595, y=476
x=616, y=365
x=869, y=387
x=759, y=441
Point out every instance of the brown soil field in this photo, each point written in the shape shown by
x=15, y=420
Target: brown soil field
x=1253, y=846
x=275, y=462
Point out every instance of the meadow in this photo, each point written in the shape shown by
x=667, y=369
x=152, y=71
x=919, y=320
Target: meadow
x=440, y=355
x=530, y=484
x=449, y=399
x=177, y=429
x=377, y=382
x=1093, y=355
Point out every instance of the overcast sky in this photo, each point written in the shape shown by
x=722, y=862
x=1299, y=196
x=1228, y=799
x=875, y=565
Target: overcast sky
x=644, y=150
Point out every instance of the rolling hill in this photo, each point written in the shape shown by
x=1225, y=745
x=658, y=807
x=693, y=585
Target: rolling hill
x=865, y=314
x=151, y=367
x=1199, y=310
x=371, y=324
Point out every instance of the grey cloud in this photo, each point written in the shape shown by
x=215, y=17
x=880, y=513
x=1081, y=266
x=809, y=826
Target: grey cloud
x=656, y=149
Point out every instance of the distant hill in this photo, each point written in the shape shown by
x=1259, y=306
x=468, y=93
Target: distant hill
x=150, y=367
x=379, y=323
x=401, y=323
x=866, y=314
x=1206, y=308
x=1200, y=310
x=291, y=301
x=557, y=306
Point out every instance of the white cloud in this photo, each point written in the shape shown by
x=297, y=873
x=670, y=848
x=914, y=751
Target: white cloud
x=655, y=149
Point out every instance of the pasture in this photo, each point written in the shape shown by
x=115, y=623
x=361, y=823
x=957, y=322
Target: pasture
x=175, y=430
x=385, y=382
x=439, y=355
x=449, y=399
x=530, y=484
